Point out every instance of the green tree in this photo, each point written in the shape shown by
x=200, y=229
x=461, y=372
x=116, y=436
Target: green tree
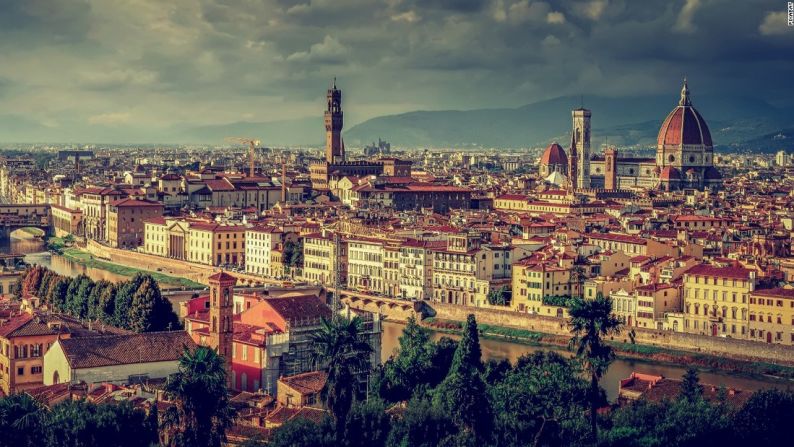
x=540, y=402
x=691, y=389
x=499, y=297
x=412, y=364
x=22, y=421
x=107, y=304
x=56, y=297
x=201, y=412
x=123, y=301
x=763, y=420
x=669, y=423
x=367, y=425
x=301, y=432
x=94, y=299
x=80, y=305
x=342, y=350
x=149, y=311
x=463, y=393
x=591, y=321
x=84, y=424
x=44, y=286
x=421, y=425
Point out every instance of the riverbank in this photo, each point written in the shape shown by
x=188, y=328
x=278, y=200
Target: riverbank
x=623, y=350
x=86, y=259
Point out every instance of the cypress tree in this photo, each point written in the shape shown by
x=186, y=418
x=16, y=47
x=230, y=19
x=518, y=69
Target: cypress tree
x=463, y=393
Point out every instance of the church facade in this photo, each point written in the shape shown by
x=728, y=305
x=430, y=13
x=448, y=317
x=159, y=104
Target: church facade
x=684, y=156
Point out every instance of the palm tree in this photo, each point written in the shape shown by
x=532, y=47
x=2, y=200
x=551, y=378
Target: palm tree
x=590, y=322
x=340, y=348
x=22, y=420
x=201, y=412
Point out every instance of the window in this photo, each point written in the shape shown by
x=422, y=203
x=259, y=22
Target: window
x=35, y=370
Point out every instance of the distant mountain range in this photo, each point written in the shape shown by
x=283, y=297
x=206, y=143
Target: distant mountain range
x=735, y=123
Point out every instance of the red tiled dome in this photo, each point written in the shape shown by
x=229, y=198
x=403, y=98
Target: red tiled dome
x=684, y=125
x=669, y=173
x=554, y=155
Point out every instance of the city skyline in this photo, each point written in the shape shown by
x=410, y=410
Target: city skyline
x=105, y=68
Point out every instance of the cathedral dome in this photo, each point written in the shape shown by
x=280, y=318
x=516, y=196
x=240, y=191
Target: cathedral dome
x=684, y=125
x=554, y=155
x=712, y=173
x=669, y=173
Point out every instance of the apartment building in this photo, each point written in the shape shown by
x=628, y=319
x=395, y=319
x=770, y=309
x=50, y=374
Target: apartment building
x=533, y=280
x=716, y=300
x=365, y=265
x=772, y=316
x=321, y=259
x=202, y=242
x=126, y=221
x=416, y=268
x=654, y=301
x=263, y=250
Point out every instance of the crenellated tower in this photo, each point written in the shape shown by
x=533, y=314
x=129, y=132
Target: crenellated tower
x=334, y=146
x=581, y=130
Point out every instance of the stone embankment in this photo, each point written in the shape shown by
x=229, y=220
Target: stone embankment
x=677, y=341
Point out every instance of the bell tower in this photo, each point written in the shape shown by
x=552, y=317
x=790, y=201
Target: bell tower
x=610, y=168
x=573, y=165
x=221, y=333
x=581, y=130
x=334, y=147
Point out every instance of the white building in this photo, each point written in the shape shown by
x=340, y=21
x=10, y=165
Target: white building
x=115, y=358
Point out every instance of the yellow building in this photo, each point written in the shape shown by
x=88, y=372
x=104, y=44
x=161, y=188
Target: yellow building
x=772, y=316
x=653, y=302
x=533, y=281
x=216, y=244
x=321, y=260
x=195, y=241
x=716, y=300
x=511, y=202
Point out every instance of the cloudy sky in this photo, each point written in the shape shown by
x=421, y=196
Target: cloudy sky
x=151, y=63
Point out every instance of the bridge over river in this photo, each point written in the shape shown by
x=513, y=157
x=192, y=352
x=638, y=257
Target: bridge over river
x=16, y=216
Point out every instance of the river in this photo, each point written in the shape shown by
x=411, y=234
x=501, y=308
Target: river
x=492, y=349
x=619, y=369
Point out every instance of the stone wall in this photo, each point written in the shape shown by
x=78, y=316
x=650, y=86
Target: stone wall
x=718, y=346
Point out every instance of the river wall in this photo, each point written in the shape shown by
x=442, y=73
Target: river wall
x=717, y=346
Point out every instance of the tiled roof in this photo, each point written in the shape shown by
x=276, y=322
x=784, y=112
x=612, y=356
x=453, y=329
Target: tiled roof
x=222, y=277
x=720, y=272
x=26, y=325
x=299, y=307
x=306, y=383
x=94, y=352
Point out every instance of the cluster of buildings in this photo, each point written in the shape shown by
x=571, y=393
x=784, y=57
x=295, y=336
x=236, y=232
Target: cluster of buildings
x=682, y=239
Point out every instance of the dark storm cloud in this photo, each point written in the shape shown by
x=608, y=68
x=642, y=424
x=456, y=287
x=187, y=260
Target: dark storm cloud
x=149, y=62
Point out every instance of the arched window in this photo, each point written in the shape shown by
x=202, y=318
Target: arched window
x=56, y=379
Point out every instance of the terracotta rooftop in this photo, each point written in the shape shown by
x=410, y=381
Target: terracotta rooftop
x=94, y=352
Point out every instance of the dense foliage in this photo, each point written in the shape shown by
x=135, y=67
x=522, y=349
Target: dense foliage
x=26, y=423
x=430, y=393
x=136, y=304
x=201, y=412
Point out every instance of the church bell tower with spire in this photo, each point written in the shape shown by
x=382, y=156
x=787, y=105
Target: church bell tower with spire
x=334, y=147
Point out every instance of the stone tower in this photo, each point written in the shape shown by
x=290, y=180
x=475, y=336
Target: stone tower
x=573, y=178
x=610, y=168
x=581, y=130
x=334, y=147
x=221, y=333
